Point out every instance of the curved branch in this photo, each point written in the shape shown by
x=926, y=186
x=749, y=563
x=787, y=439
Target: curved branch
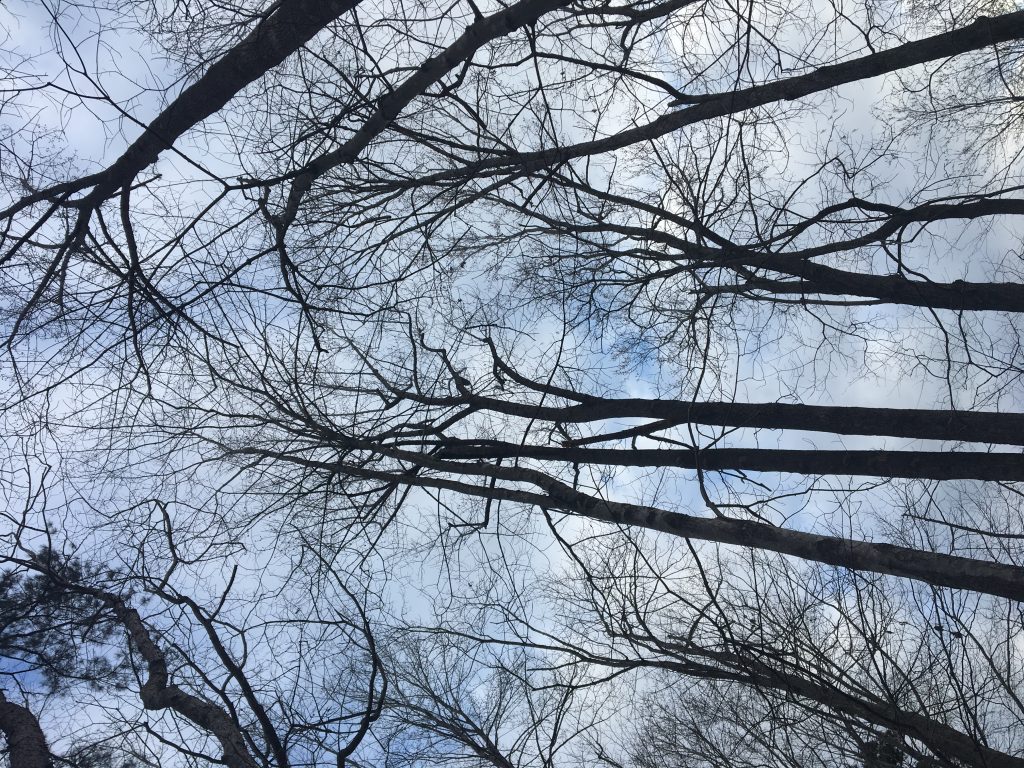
x=157, y=692
x=26, y=743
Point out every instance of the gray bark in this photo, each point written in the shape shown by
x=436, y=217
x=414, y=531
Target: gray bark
x=26, y=743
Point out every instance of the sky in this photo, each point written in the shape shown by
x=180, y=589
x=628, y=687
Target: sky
x=220, y=526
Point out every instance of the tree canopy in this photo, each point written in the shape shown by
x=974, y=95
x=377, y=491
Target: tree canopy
x=512, y=384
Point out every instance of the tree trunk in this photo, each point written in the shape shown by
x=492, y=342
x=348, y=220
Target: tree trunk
x=26, y=744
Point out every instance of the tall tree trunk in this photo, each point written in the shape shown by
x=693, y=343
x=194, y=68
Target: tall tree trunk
x=26, y=744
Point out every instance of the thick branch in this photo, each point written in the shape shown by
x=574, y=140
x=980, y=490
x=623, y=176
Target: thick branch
x=894, y=289
x=476, y=35
x=746, y=666
x=26, y=743
x=157, y=692
x=982, y=33
x=926, y=465
x=963, y=426
x=930, y=567
x=815, y=278
x=940, y=570
x=288, y=28
x=291, y=26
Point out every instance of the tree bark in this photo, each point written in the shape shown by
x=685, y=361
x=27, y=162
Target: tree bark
x=157, y=692
x=26, y=743
x=940, y=570
x=292, y=25
x=923, y=465
x=963, y=426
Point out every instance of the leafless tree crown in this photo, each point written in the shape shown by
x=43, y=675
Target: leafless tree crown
x=530, y=384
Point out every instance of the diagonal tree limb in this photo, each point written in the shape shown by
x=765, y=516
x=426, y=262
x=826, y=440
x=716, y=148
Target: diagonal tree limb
x=982, y=33
x=476, y=35
x=937, y=569
x=26, y=743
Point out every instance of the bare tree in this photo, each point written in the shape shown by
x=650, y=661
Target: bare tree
x=384, y=286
